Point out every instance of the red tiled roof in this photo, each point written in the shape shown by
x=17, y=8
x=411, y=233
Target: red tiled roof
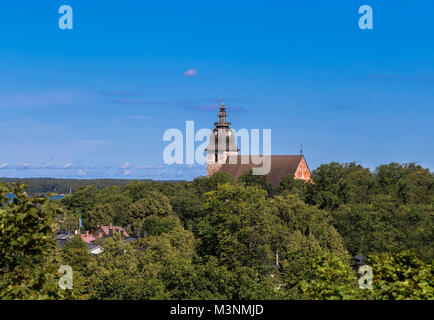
x=87, y=238
x=106, y=231
x=281, y=165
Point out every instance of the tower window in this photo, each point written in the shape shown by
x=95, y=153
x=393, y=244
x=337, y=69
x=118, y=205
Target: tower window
x=216, y=157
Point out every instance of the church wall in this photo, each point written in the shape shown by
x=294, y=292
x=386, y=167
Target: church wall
x=212, y=166
x=302, y=171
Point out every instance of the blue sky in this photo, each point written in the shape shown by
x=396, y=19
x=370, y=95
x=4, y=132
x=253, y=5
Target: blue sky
x=94, y=102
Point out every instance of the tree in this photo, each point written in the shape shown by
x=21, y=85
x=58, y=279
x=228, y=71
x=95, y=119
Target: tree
x=406, y=183
x=156, y=225
x=260, y=181
x=101, y=214
x=26, y=240
x=402, y=276
x=83, y=200
x=68, y=221
x=119, y=203
x=187, y=205
x=76, y=254
x=307, y=234
x=394, y=277
x=203, y=185
x=336, y=184
x=237, y=228
x=249, y=284
x=335, y=280
x=292, y=185
x=137, y=190
x=154, y=203
x=386, y=226
x=116, y=274
x=155, y=267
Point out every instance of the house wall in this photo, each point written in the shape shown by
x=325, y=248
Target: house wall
x=96, y=250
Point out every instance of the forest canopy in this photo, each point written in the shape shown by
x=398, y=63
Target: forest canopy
x=217, y=238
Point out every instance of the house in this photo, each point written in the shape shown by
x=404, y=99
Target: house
x=103, y=232
x=62, y=239
x=93, y=249
x=222, y=156
x=87, y=237
x=107, y=231
x=90, y=237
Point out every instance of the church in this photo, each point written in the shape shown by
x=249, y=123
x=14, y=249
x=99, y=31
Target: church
x=222, y=156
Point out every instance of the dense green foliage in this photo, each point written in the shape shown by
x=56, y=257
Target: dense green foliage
x=395, y=277
x=26, y=242
x=216, y=238
x=389, y=210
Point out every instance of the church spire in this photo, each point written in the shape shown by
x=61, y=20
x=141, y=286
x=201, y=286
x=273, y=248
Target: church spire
x=223, y=121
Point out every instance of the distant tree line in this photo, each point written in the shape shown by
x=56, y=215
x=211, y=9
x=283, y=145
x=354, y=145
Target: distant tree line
x=64, y=186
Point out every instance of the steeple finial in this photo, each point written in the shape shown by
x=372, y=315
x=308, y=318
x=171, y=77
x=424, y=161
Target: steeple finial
x=301, y=150
x=222, y=115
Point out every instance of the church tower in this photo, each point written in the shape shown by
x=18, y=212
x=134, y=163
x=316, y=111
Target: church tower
x=222, y=144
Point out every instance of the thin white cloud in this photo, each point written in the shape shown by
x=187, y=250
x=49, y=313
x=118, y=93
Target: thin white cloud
x=81, y=172
x=67, y=166
x=149, y=166
x=127, y=172
x=125, y=165
x=26, y=165
x=47, y=165
x=190, y=73
x=4, y=165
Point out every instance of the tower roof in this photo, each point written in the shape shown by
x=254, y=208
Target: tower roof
x=222, y=117
x=222, y=111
